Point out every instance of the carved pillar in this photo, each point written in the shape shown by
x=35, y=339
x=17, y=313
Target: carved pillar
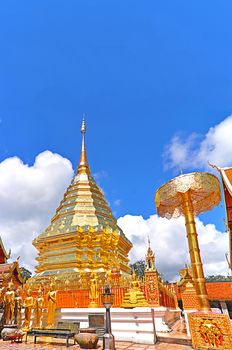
x=152, y=288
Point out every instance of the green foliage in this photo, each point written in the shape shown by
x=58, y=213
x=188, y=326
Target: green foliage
x=218, y=278
x=139, y=267
x=25, y=273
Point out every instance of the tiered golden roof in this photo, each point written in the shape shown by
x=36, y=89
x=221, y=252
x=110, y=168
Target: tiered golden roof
x=83, y=235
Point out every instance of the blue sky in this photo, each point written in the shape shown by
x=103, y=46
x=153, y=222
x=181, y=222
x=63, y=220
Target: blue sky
x=141, y=72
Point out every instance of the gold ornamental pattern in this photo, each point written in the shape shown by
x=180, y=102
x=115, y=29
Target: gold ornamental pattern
x=210, y=331
x=204, y=189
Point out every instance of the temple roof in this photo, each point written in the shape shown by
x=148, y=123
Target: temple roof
x=8, y=269
x=227, y=178
x=226, y=174
x=83, y=204
x=215, y=290
x=3, y=254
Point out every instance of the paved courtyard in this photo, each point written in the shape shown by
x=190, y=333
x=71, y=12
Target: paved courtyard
x=7, y=345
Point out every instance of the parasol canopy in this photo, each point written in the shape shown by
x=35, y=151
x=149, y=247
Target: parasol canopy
x=204, y=189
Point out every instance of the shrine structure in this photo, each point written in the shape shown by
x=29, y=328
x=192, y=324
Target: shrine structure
x=81, y=251
x=226, y=175
x=9, y=272
x=83, y=237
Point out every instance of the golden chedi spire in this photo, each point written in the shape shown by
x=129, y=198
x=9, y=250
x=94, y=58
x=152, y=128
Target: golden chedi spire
x=83, y=235
x=83, y=166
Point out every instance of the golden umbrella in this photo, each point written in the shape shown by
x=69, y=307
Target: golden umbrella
x=189, y=195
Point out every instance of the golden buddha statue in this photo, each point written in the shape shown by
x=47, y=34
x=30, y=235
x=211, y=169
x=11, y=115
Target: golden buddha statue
x=9, y=302
x=28, y=305
x=67, y=283
x=51, y=297
x=93, y=291
x=38, y=307
x=1, y=294
x=108, y=277
x=134, y=297
x=18, y=308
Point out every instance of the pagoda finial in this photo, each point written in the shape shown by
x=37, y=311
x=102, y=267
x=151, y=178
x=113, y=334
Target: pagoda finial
x=150, y=257
x=83, y=131
x=83, y=126
x=83, y=166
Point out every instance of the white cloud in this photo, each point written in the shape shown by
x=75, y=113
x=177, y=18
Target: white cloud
x=117, y=202
x=99, y=175
x=169, y=243
x=195, y=151
x=29, y=196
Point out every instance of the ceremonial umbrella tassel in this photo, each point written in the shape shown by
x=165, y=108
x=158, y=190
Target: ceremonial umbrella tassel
x=189, y=195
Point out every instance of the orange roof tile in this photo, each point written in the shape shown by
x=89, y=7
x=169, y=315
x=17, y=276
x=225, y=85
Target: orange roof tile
x=219, y=290
x=229, y=174
x=216, y=290
x=6, y=267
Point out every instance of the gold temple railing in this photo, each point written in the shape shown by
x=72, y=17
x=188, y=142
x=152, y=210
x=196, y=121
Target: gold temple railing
x=75, y=292
x=80, y=298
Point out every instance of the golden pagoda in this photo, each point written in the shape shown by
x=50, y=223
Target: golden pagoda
x=83, y=236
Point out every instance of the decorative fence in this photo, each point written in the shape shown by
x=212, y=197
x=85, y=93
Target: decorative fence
x=80, y=298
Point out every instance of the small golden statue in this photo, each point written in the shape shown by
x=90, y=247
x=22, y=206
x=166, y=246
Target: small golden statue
x=28, y=305
x=108, y=277
x=93, y=291
x=67, y=284
x=1, y=293
x=9, y=302
x=51, y=297
x=18, y=308
x=38, y=306
x=174, y=296
x=134, y=297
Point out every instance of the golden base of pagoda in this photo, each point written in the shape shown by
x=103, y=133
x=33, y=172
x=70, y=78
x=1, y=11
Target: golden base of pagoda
x=210, y=331
x=93, y=304
x=134, y=298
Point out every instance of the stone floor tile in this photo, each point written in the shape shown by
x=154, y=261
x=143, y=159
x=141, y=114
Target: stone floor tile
x=60, y=345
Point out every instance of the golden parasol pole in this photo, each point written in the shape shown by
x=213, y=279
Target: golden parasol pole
x=189, y=195
x=194, y=251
